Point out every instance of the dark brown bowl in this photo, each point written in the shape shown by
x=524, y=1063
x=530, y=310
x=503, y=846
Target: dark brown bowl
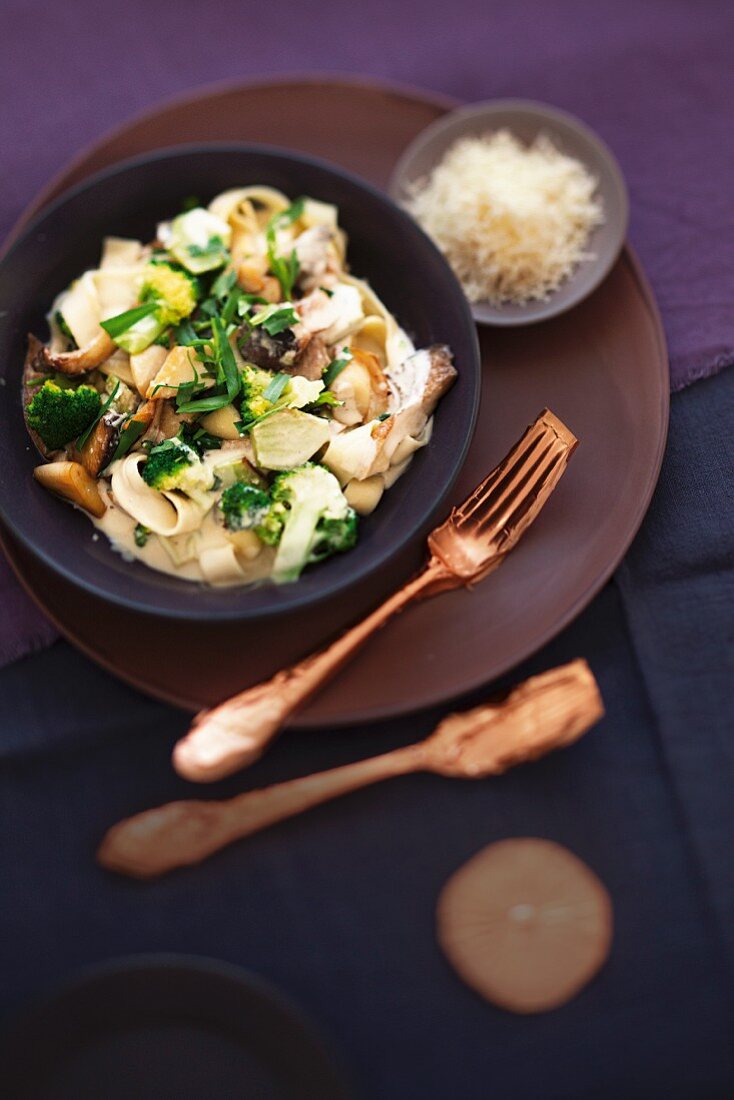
x=527, y=120
x=385, y=245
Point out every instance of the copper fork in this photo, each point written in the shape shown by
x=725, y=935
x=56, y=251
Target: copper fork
x=470, y=544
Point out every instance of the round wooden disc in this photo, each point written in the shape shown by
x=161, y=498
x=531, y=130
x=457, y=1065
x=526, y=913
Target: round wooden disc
x=526, y=924
x=602, y=368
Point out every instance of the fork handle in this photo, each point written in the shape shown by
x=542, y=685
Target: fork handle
x=235, y=734
x=181, y=833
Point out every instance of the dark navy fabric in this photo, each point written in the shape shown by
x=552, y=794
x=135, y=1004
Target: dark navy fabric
x=337, y=908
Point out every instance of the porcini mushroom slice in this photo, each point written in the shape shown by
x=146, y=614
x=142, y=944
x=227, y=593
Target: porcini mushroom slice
x=526, y=924
x=79, y=361
x=71, y=480
x=99, y=448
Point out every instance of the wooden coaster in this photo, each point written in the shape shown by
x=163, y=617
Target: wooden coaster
x=526, y=924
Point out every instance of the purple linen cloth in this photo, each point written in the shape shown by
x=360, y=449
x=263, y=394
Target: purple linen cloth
x=655, y=80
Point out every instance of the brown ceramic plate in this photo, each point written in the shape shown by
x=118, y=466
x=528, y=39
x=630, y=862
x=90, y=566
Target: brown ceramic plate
x=601, y=367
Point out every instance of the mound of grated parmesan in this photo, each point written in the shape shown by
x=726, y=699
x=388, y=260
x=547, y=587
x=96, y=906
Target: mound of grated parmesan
x=513, y=221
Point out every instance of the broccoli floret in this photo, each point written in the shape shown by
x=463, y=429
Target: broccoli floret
x=176, y=289
x=334, y=536
x=313, y=517
x=141, y=534
x=172, y=464
x=59, y=414
x=263, y=391
x=254, y=384
x=243, y=506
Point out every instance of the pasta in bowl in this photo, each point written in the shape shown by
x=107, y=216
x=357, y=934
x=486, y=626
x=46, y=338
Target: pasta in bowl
x=227, y=399
x=60, y=261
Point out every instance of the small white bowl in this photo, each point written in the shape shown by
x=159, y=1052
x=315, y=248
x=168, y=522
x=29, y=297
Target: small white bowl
x=527, y=120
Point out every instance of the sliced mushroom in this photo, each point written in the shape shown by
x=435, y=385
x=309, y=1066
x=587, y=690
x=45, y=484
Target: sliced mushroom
x=169, y=421
x=99, y=448
x=423, y=378
x=312, y=360
x=373, y=448
x=274, y=353
x=80, y=361
x=71, y=481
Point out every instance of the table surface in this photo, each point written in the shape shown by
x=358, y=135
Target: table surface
x=337, y=909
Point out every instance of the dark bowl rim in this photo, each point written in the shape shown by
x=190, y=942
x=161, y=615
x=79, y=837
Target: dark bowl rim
x=544, y=311
x=294, y=604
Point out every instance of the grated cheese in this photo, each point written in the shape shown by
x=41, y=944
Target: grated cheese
x=513, y=221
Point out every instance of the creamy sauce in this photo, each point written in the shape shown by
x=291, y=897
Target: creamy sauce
x=179, y=556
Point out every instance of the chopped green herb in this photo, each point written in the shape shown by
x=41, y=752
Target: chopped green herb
x=64, y=328
x=205, y=441
x=129, y=435
x=226, y=362
x=336, y=366
x=273, y=391
x=141, y=534
x=223, y=283
x=116, y=326
x=384, y=416
x=285, y=269
x=247, y=300
x=185, y=335
x=103, y=409
x=275, y=318
x=205, y=404
x=327, y=292
x=326, y=399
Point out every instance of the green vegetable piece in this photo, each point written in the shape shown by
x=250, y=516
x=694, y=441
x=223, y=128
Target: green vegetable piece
x=141, y=534
x=200, y=240
x=59, y=415
x=275, y=318
x=315, y=517
x=243, y=506
x=285, y=269
x=135, y=329
x=173, y=465
x=275, y=388
x=288, y=438
x=130, y=434
x=175, y=291
x=103, y=409
x=64, y=329
x=333, y=369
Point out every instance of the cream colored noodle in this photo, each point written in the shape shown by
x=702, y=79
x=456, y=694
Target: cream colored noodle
x=365, y=451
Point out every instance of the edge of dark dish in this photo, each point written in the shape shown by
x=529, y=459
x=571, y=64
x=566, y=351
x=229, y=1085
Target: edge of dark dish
x=386, y=247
